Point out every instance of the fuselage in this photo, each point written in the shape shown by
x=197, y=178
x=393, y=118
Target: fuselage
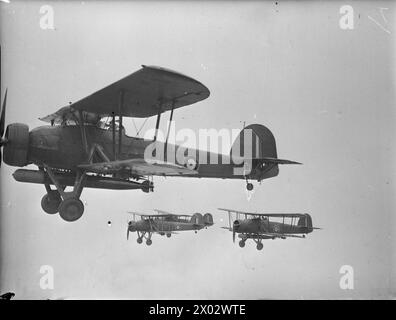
x=162, y=226
x=62, y=147
x=259, y=226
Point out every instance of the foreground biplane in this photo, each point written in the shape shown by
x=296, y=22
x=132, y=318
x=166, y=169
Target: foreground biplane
x=261, y=226
x=165, y=223
x=85, y=144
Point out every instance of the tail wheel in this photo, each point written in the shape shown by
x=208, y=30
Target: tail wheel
x=191, y=163
x=50, y=202
x=71, y=209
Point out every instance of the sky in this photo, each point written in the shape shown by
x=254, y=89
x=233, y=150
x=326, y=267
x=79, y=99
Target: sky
x=326, y=93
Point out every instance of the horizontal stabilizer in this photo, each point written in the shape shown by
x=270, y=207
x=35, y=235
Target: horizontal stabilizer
x=265, y=160
x=276, y=161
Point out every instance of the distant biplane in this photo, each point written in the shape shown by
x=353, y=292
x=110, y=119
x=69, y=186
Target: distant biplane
x=257, y=226
x=85, y=144
x=165, y=223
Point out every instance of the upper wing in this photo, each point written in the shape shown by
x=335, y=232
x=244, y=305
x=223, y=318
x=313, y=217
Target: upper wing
x=164, y=212
x=144, y=91
x=277, y=215
x=138, y=213
x=149, y=215
x=171, y=214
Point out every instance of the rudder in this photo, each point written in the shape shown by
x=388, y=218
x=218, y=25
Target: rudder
x=256, y=139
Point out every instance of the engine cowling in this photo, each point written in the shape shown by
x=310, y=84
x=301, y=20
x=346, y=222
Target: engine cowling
x=17, y=145
x=236, y=225
x=208, y=219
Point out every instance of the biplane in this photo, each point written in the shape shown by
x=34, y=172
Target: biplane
x=85, y=144
x=261, y=226
x=165, y=223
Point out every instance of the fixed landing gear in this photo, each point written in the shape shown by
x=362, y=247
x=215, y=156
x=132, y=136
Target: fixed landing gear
x=259, y=245
x=147, y=186
x=71, y=209
x=68, y=204
x=168, y=235
x=142, y=235
x=258, y=241
x=51, y=201
x=249, y=186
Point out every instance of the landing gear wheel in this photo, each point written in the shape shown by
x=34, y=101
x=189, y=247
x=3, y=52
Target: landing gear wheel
x=168, y=235
x=249, y=186
x=241, y=243
x=259, y=246
x=71, y=209
x=139, y=240
x=50, y=202
x=149, y=242
x=147, y=186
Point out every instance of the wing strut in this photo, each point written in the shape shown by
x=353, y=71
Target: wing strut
x=81, y=124
x=114, y=137
x=167, y=135
x=120, y=108
x=158, y=121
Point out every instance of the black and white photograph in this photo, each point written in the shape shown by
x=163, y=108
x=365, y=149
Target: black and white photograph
x=197, y=150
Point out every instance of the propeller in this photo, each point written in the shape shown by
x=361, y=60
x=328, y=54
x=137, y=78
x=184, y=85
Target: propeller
x=129, y=223
x=2, y=124
x=235, y=227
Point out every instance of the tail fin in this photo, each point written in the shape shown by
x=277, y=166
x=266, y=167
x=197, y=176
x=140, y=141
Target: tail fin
x=197, y=218
x=208, y=219
x=306, y=222
x=256, y=146
x=254, y=141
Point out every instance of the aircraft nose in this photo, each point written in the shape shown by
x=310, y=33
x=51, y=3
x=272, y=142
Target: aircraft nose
x=131, y=226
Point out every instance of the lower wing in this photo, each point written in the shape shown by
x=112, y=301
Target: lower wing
x=281, y=235
x=139, y=167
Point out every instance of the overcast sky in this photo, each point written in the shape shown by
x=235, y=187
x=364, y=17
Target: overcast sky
x=327, y=94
